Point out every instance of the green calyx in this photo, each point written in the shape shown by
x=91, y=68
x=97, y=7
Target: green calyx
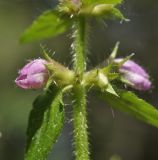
x=62, y=76
x=103, y=9
x=59, y=74
x=97, y=78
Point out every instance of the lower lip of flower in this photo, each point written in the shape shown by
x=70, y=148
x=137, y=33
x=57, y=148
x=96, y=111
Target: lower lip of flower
x=34, y=81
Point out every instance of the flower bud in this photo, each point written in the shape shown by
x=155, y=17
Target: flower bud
x=134, y=75
x=33, y=75
x=95, y=78
x=97, y=10
x=101, y=9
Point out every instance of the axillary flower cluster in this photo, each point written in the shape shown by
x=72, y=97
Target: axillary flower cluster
x=37, y=73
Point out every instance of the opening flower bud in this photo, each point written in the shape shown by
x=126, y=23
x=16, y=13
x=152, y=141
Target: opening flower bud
x=134, y=75
x=33, y=75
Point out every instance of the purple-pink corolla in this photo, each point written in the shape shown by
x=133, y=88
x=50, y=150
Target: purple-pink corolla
x=135, y=75
x=33, y=75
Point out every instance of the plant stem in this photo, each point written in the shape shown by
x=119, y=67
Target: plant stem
x=80, y=124
x=80, y=46
x=79, y=93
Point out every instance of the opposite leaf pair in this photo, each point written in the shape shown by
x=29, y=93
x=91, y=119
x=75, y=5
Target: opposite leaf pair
x=54, y=22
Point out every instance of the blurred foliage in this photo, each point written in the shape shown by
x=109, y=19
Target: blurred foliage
x=110, y=135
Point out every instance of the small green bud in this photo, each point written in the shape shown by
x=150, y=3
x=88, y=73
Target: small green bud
x=95, y=78
x=96, y=10
x=90, y=78
x=101, y=9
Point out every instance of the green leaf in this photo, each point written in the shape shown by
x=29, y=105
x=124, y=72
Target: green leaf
x=45, y=124
x=129, y=103
x=49, y=24
x=89, y=2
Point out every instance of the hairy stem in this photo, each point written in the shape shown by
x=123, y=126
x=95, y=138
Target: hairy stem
x=79, y=94
x=80, y=46
x=80, y=124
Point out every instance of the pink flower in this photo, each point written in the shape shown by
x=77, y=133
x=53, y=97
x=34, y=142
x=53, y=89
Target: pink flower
x=134, y=75
x=33, y=75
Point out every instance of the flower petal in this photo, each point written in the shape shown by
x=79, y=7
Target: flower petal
x=133, y=67
x=35, y=66
x=138, y=82
x=37, y=81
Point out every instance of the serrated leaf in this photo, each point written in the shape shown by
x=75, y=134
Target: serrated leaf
x=89, y=2
x=49, y=24
x=45, y=123
x=129, y=103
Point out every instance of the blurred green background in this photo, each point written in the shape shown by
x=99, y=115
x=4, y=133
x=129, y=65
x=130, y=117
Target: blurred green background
x=117, y=137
